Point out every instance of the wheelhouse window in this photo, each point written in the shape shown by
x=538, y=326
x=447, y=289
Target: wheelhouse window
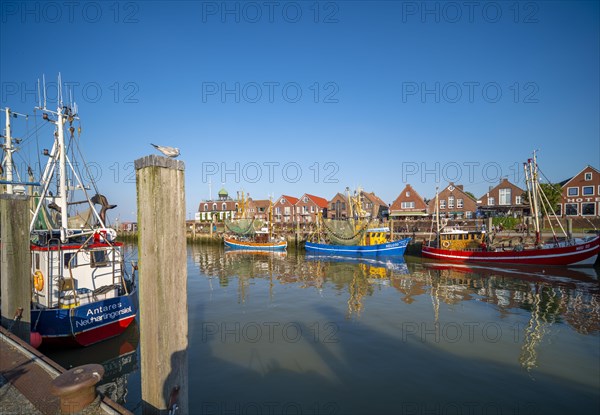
x=70, y=258
x=573, y=191
x=99, y=258
x=571, y=209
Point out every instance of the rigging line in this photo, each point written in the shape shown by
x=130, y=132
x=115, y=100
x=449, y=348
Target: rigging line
x=87, y=170
x=37, y=141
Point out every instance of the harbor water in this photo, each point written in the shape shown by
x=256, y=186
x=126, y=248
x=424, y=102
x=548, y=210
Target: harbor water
x=293, y=333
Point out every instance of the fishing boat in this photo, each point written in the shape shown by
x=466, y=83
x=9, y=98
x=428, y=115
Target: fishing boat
x=458, y=245
x=244, y=235
x=355, y=235
x=81, y=293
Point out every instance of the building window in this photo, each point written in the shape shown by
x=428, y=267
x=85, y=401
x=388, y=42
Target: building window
x=518, y=200
x=312, y=209
x=459, y=203
x=587, y=190
x=408, y=205
x=588, y=209
x=305, y=199
x=278, y=211
x=282, y=201
x=451, y=202
x=224, y=206
x=407, y=194
x=505, y=197
x=573, y=191
x=286, y=210
x=468, y=215
x=491, y=201
x=588, y=176
x=571, y=209
x=206, y=207
x=442, y=204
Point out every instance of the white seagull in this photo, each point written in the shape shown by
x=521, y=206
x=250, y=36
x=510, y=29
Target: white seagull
x=167, y=151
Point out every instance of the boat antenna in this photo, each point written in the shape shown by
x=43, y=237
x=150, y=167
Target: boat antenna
x=44, y=84
x=39, y=93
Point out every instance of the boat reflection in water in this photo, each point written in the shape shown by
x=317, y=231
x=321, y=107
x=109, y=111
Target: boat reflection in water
x=118, y=356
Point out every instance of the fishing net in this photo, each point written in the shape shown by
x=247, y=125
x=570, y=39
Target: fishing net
x=243, y=226
x=345, y=232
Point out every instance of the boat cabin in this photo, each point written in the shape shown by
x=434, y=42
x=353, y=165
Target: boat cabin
x=376, y=236
x=457, y=239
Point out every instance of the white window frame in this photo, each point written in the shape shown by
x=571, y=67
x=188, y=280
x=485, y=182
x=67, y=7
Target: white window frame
x=518, y=200
x=460, y=203
x=576, y=209
x=504, y=196
x=451, y=202
x=491, y=201
x=442, y=204
x=587, y=194
x=588, y=214
x=588, y=176
x=569, y=191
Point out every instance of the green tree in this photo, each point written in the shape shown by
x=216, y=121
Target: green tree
x=472, y=195
x=553, y=193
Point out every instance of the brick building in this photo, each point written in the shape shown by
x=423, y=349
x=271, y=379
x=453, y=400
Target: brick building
x=308, y=206
x=505, y=199
x=581, y=194
x=409, y=203
x=375, y=207
x=217, y=210
x=284, y=209
x=454, y=203
x=337, y=207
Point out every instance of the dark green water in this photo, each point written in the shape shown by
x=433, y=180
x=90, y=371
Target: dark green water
x=292, y=334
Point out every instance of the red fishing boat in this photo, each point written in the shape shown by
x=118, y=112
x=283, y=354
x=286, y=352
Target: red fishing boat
x=466, y=246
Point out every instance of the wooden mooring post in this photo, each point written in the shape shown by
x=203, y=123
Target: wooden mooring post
x=15, y=285
x=162, y=284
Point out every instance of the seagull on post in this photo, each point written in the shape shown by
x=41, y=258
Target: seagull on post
x=167, y=151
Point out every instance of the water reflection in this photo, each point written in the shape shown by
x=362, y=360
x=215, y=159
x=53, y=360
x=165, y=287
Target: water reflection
x=118, y=356
x=370, y=328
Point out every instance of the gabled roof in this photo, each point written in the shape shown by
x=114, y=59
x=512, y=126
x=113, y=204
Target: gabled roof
x=261, y=203
x=293, y=200
x=374, y=198
x=397, y=204
x=336, y=195
x=319, y=201
x=565, y=182
x=504, y=180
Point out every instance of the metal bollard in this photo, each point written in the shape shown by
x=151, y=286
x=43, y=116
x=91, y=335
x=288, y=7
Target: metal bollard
x=76, y=388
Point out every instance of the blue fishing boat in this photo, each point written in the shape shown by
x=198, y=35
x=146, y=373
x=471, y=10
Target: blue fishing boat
x=375, y=243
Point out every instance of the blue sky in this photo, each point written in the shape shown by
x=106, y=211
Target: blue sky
x=295, y=97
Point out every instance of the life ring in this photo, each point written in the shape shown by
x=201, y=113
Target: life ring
x=38, y=280
x=446, y=244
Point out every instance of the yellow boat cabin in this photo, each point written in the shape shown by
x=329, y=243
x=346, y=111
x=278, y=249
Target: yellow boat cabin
x=457, y=239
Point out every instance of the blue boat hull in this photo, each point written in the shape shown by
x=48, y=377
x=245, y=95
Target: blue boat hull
x=86, y=324
x=390, y=248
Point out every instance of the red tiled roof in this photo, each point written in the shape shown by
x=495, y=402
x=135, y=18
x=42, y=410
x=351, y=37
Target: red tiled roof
x=293, y=200
x=319, y=201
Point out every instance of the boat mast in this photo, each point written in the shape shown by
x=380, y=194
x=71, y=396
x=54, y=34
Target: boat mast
x=437, y=216
x=9, y=150
x=534, y=190
x=62, y=164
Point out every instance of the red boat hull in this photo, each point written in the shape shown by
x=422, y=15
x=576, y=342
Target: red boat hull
x=582, y=254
